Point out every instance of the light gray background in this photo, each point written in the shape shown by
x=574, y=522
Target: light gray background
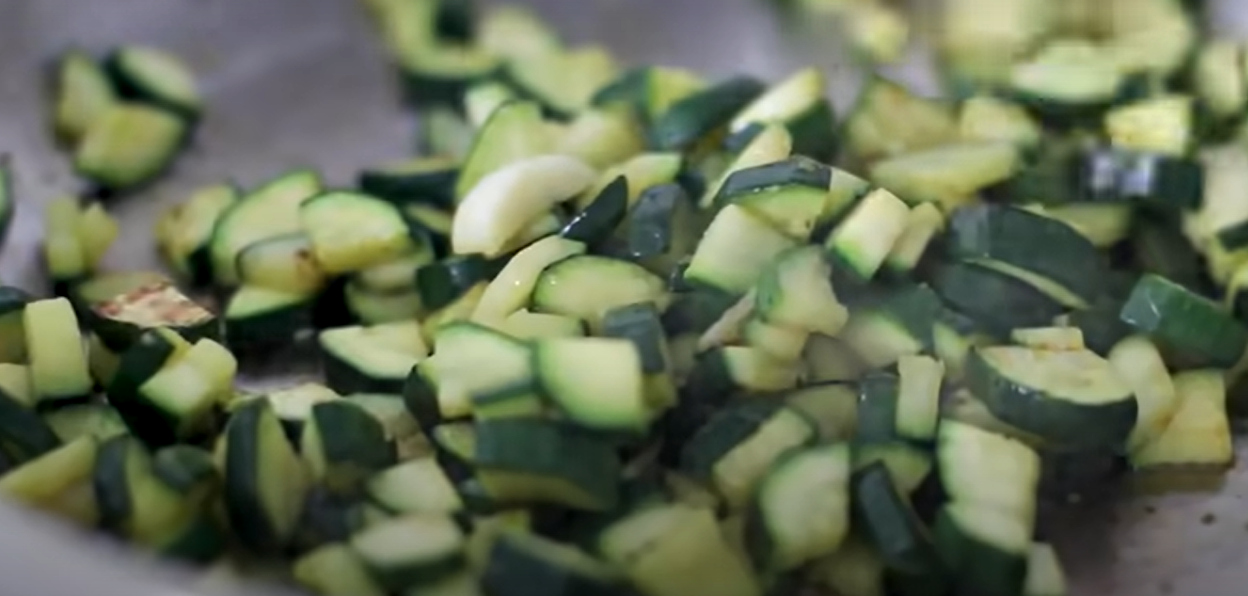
x=302, y=82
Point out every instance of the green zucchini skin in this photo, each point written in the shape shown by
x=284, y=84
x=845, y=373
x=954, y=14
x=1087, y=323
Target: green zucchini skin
x=515, y=568
x=1161, y=182
x=696, y=116
x=996, y=300
x=1029, y=241
x=23, y=434
x=1051, y=417
x=435, y=187
x=596, y=222
x=139, y=363
x=1193, y=331
x=889, y=523
x=443, y=282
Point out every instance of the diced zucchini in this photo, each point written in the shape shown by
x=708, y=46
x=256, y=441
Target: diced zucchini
x=997, y=301
x=923, y=225
x=1139, y=364
x=734, y=251
x=120, y=320
x=791, y=195
x=58, y=482
x=452, y=382
x=888, y=522
x=798, y=103
x=153, y=76
x=415, y=486
x=498, y=207
x=692, y=118
x=58, y=362
x=342, y=444
x=90, y=419
x=536, y=461
x=411, y=551
x=588, y=286
x=524, y=324
x=794, y=291
x=1161, y=124
x=986, y=118
x=351, y=231
x=887, y=119
x=257, y=318
x=987, y=470
x=1045, y=576
x=1198, y=434
x=83, y=94
x=374, y=359
x=513, y=132
x=1219, y=79
x=521, y=564
x=12, y=324
x=595, y=382
x=899, y=323
x=985, y=549
x=185, y=231
x=511, y=288
x=1067, y=81
x=801, y=510
x=1194, y=328
x=677, y=550
x=268, y=211
x=176, y=403
x=863, y=241
x=1071, y=398
x=129, y=145
x=286, y=263
x=265, y=481
x=335, y=570
x=1049, y=338
x=562, y=81
x=832, y=407
x=737, y=446
x=949, y=175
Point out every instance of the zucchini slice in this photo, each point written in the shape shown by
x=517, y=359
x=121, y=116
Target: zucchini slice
x=83, y=93
x=426, y=180
x=411, y=551
x=129, y=145
x=64, y=255
x=524, y=325
x=351, y=231
x=521, y=564
x=286, y=263
x=524, y=460
x=1190, y=328
x=1045, y=576
x=379, y=307
x=923, y=226
x=153, y=76
x=1071, y=398
x=791, y=195
x=987, y=118
x=1049, y=338
x=266, y=212
x=901, y=322
x=562, y=81
x=57, y=482
x=602, y=137
x=887, y=119
x=454, y=380
x=801, y=511
x=1139, y=364
x=1160, y=124
x=335, y=570
x=833, y=407
x=12, y=324
x=265, y=482
x=374, y=359
x=985, y=549
x=504, y=201
x=120, y=320
x=90, y=419
x=949, y=175
x=996, y=300
x=794, y=291
x=513, y=132
x=598, y=220
x=342, y=444
x=588, y=286
x=864, y=240
x=177, y=403
x=798, y=103
x=677, y=550
x=1198, y=434
x=987, y=470
x=1010, y=236
x=259, y=318
x=414, y=486
x=736, y=448
x=1067, y=82
x=891, y=525
x=596, y=382
x=58, y=362
x=185, y=231
x=691, y=119
x=511, y=288
x=734, y=251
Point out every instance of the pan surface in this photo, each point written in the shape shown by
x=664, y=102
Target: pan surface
x=302, y=83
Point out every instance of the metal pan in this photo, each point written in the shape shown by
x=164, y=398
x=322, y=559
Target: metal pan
x=302, y=82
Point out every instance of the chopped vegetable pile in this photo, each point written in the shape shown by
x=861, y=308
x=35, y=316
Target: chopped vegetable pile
x=633, y=332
